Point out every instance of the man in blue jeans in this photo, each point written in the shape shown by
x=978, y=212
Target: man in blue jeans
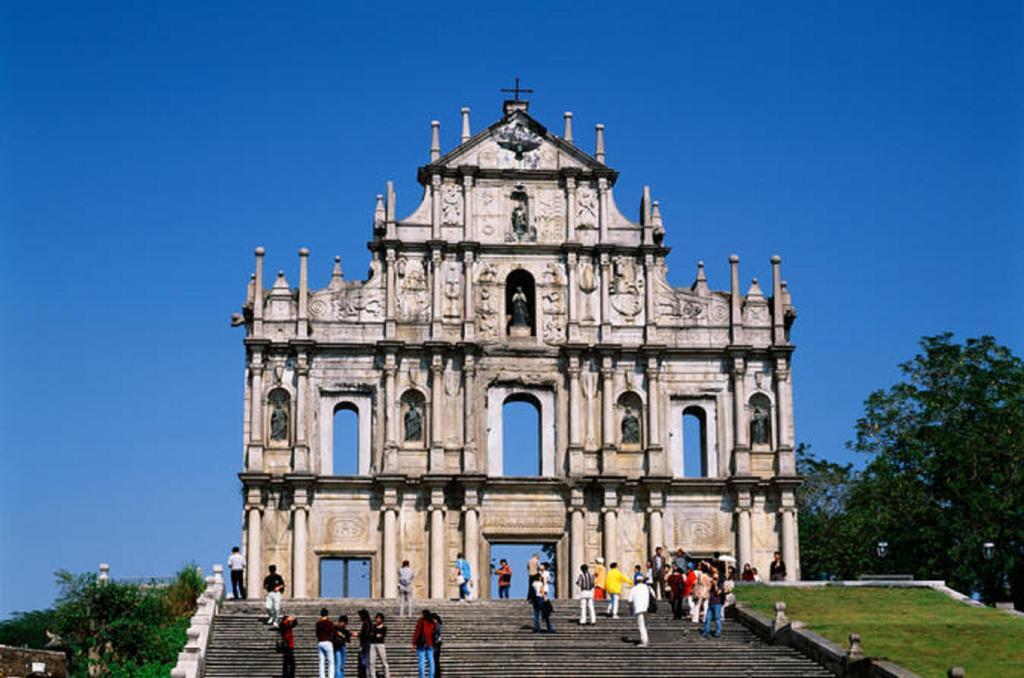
x=463, y=575
x=715, y=597
x=541, y=605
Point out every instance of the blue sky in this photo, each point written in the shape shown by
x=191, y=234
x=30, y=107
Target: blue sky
x=146, y=149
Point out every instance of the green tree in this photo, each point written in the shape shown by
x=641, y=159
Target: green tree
x=947, y=465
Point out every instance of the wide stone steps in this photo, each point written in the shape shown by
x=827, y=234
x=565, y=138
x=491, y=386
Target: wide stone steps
x=495, y=638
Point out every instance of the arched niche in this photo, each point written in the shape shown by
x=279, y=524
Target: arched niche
x=544, y=399
x=701, y=413
x=520, y=300
x=630, y=418
x=412, y=419
x=345, y=439
x=759, y=417
x=279, y=418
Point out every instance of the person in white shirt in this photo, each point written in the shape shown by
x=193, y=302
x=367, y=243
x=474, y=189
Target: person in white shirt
x=585, y=585
x=640, y=599
x=236, y=565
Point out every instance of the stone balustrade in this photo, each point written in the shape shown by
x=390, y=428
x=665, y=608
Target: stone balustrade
x=191, y=658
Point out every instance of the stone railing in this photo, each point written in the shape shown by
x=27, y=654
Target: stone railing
x=850, y=662
x=192, y=657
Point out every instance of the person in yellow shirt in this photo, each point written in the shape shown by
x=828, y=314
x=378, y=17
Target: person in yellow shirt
x=599, y=574
x=614, y=581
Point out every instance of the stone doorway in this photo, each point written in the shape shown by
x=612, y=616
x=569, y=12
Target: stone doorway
x=342, y=577
x=518, y=553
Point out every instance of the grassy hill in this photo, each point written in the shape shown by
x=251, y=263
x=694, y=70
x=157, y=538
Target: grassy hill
x=920, y=629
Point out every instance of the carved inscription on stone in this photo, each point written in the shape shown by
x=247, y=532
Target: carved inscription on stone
x=523, y=521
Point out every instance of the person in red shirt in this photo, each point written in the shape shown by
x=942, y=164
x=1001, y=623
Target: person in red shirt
x=423, y=642
x=325, y=645
x=504, y=573
x=689, y=585
x=287, y=645
x=748, y=573
x=676, y=584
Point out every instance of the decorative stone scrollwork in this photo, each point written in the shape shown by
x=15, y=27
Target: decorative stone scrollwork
x=451, y=205
x=587, y=285
x=626, y=288
x=452, y=290
x=414, y=300
x=586, y=209
x=487, y=315
x=517, y=137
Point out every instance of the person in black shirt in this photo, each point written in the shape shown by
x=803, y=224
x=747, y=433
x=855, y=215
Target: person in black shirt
x=342, y=636
x=438, y=640
x=378, y=634
x=715, y=598
x=287, y=646
x=273, y=584
x=777, y=571
x=364, y=643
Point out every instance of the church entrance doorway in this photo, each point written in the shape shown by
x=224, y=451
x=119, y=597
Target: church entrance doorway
x=345, y=578
x=518, y=554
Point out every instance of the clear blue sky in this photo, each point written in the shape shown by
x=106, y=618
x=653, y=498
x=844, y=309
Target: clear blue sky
x=147, y=148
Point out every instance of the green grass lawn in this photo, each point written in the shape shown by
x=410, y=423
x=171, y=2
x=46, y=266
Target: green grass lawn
x=920, y=629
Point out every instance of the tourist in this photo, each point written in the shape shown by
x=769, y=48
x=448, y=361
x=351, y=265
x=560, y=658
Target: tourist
x=638, y=573
x=727, y=587
x=364, y=643
x=679, y=560
x=504, y=573
x=748, y=573
x=405, y=577
x=658, y=566
x=777, y=571
x=675, y=586
x=730, y=574
x=545, y=577
x=463, y=575
x=542, y=607
x=342, y=637
x=757, y=577
x=438, y=641
x=236, y=565
x=599, y=579
x=325, y=632
x=378, y=650
x=585, y=585
x=287, y=645
x=714, y=607
x=423, y=643
x=273, y=584
x=640, y=599
x=532, y=570
x=701, y=591
x=689, y=583
x=614, y=581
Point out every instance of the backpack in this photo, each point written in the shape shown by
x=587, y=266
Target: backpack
x=652, y=605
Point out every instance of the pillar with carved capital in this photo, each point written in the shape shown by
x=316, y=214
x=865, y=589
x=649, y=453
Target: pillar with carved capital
x=436, y=277
x=435, y=208
x=572, y=305
x=437, y=549
x=606, y=308
x=656, y=530
x=391, y=294
x=436, y=413
x=469, y=462
x=741, y=444
x=610, y=464
x=570, y=207
x=468, y=228
x=744, y=549
x=254, y=552
x=469, y=314
x=603, y=216
x=390, y=406
x=301, y=446
x=254, y=462
x=390, y=548
x=650, y=312
x=784, y=410
x=655, y=454
x=788, y=535
x=611, y=534
x=471, y=544
x=299, y=539
x=576, y=415
x=577, y=537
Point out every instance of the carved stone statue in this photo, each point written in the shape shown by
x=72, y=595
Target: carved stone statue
x=520, y=309
x=630, y=427
x=279, y=416
x=413, y=422
x=760, y=425
x=520, y=224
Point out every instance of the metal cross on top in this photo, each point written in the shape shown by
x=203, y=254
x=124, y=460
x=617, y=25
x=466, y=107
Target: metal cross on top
x=516, y=90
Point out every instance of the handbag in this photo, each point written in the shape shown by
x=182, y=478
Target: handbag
x=460, y=580
x=652, y=605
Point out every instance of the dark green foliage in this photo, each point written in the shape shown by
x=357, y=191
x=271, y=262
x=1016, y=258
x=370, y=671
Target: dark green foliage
x=130, y=630
x=26, y=629
x=946, y=474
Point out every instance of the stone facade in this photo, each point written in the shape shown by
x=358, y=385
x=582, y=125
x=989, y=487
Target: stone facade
x=516, y=278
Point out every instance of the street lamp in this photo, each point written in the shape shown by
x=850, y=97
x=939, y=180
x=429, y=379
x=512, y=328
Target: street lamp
x=882, y=549
x=989, y=550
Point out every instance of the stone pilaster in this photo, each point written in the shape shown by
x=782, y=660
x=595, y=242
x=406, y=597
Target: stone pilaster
x=390, y=413
x=257, y=299
x=468, y=229
x=570, y=205
x=606, y=307
x=608, y=448
x=435, y=207
x=254, y=458
x=610, y=510
x=577, y=536
x=650, y=309
x=469, y=451
x=389, y=537
x=301, y=452
x=437, y=543
x=254, y=543
x=300, y=540
x=436, y=464
x=741, y=440
x=471, y=531
x=572, y=303
x=784, y=417
x=437, y=281
x=469, y=310
x=603, y=215
x=576, y=414
x=390, y=326
x=657, y=464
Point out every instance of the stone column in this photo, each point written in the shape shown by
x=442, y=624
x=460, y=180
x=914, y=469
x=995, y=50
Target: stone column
x=435, y=207
x=744, y=549
x=741, y=444
x=788, y=530
x=655, y=453
x=606, y=308
x=577, y=537
x=390, y=548
x=784, y=416
x=656, y=530
x=602, y=201
x=736, y=301
x=572, y=301
x=390, y=292
x=611, y=534
x=301, y=446
x=570, y=208
x=436, y=413
x=469, y=310
x=301, y=324
x=469, y=460
x=257, y=298
x=650, y=312
x=436, y=280
x=437, y=543
x=575, y=417
x=255, y=456
x=299, y=540
x=610, y=465
x=468, y=229
x=254, y=554
x=471, y=542
x=390, y=413
x=778, y=321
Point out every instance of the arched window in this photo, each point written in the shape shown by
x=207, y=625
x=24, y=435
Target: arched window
x=521, y=436
x=414, y=419
x=630, y=421
x=279, y=402
x=520, y=304
x=695, y=442
x=760, y=420
x=346, y=440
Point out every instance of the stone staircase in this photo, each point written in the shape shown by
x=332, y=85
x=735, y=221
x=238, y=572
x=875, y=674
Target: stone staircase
x=495, y=638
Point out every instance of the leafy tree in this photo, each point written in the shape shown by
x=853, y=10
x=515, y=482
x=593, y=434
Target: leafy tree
x=26, y=629
x=947, y=467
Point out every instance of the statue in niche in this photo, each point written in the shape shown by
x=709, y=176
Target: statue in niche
x=520, y=227
x=760, y=424
x=413, y=422
x=520, y=309
x=630, y=427
x=279, y=415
